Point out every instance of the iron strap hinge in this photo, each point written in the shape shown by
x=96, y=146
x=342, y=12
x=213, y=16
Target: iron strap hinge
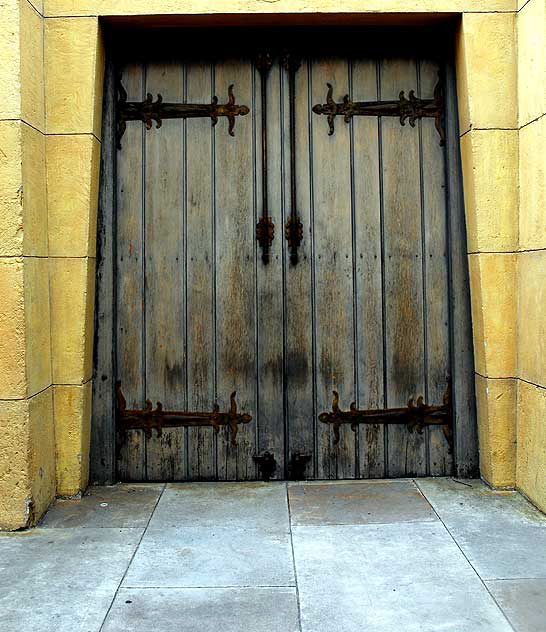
x=416, y=416
x=406, y=109
x=149, y=418
x=149, y=110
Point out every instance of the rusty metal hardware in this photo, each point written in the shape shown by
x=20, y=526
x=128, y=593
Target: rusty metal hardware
x=297, y=465
x=416, y=416
x=266, y=464
x=406, y=109
x=265, y=229
x=148, y=418
x=294, y=228
x=149, y=110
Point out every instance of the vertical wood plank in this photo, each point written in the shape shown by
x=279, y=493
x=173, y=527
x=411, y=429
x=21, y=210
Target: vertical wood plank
x=334, y=271
x=235, y=270
x=462, y=357
x=200, y=272
x=435, y=272
x=368, y=269
x=103, y=454
x=299, y=292
x=403, y=270
x=130, y=279
x=164, y=219
x=270, y=325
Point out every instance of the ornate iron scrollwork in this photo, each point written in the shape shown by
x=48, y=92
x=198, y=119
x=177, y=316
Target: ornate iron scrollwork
x=406, y=109
x=416, y=416
x=265, y=228
x=149, y=110
x=149, y=418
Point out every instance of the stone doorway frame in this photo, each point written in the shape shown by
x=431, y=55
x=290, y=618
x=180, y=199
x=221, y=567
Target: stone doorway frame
x=45, y=386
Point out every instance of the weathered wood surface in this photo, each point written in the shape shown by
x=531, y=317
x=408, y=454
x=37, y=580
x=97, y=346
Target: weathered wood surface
x=365, y=312
x=103, y=440
x=130, y=293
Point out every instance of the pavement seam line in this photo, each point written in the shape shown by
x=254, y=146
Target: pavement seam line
x=137, y=547
x=293, y=557
x=466, y=558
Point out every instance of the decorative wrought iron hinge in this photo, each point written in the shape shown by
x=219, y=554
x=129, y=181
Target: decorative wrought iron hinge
x=265, y=228
x=148, y=418
x=406, y=109
x=266, y=464
x=297, y=466
x=149, y=110
x=416, y=416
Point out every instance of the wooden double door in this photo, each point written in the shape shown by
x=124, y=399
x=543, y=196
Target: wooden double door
x=375, y=307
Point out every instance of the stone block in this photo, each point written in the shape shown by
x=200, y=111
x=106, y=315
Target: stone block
x=13, y=383
x=532, y=185
x=41, y=452
x=531, y=465
x=37, y=323
x=493, y=294
x=27, y=453
x=490, y=180
x=73, y=164
x=32, y=66
x=72, y=437
x=33, y=193
x=486, y=60
x=72, y=290
x=203, y=7
x=532, y=317
x=532, y=61
x=15, y=495
x=74, y=68
x=11, y=188
x=10, y=68
x=496, y=409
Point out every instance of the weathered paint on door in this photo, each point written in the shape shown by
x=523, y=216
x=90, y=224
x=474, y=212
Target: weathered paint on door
x=365, y=312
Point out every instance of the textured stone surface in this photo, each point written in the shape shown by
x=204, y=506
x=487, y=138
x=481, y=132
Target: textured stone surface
x=389, y=577
x=532, y=61
x=121, y=506
x=27, y=466
x=523, y=601
x=493, y=279
x=490, y=170
x=74, y=67
x=72, y=284
x=72, y=193
x=532, y=195
x=496, y=410
x=187, y=610
x=531, y=467
x=212, y=557
x=32, y=66
x=37, y=325
x=358, y=503
x=205, y=505
x=381, y=577
x=151, y=7
x=532, y=316
x=72, y=438
x=13, y=384
x=487, y=71
x=502, y=535
x=60, y=580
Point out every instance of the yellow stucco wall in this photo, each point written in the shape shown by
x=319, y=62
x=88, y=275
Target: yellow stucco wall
x=50, y=132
